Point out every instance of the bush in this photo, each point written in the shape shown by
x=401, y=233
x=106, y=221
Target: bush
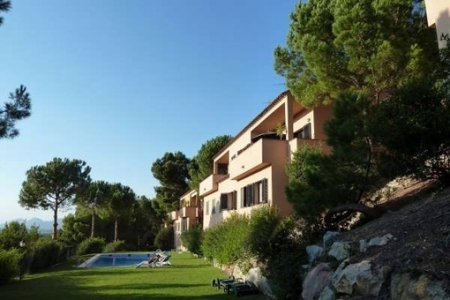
x=88, y=246
x=9, y=264
x=263, y=227
x=45, y=253
x=227, y=241
x=284, y=268
x=192, y=239
x=164, y=239
x=116, y=246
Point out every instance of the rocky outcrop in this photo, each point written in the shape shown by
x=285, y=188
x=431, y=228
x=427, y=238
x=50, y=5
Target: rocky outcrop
x=363, y=278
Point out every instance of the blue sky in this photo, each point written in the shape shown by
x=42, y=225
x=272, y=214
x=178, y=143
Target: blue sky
x=118, y=83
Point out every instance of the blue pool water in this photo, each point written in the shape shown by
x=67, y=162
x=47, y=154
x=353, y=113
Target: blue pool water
x=116, y=259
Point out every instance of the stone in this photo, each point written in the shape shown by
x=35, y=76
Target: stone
x=340, y=250
x=359, y=278
x=380, y=241
x=363, y=246
x=316, y=280
x=327, y=294
x=254, y=275
x=313, y=252
x=329, y=238
x=403, y=287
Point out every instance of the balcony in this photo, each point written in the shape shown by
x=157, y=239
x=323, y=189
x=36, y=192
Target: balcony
x=297, y=142
x=257, y=156
x=210, y=184
x=190, y=212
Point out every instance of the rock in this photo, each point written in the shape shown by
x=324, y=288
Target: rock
x=318, y=278
x=327, y=294
x=403, y=287
x=363, y=246
x=380, y=241
x=359, y=278
x=314, y=252
x=340, y=250
x=254, y=275
x=329, y=238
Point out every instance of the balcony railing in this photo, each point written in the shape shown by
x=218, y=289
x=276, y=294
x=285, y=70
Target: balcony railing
x=297, y=142
x=210, y=183
x=256, y=156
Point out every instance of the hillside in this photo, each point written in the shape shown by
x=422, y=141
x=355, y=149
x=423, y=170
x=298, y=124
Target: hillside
x=419, y=220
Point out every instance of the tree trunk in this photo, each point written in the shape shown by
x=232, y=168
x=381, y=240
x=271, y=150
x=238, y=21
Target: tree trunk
x=93, y=225
x=55, y=224
x=116, y=229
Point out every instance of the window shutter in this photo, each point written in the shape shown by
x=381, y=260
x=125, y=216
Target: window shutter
x=265, y=190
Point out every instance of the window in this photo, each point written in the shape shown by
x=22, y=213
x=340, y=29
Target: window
x=304, y=132
x=223, y=201
x=207, y=208
x=213, y=206
x=255, y=193
x=228, y=201
x=184, y=224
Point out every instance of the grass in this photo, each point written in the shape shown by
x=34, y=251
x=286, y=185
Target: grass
x=187, y=278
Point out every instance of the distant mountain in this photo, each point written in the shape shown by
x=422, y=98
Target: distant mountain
x=44, y=226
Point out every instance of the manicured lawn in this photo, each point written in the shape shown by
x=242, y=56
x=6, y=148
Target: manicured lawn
x=187, y=278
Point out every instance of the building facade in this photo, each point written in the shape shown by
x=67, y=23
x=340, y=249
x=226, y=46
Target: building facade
x=250, y=170
x=438, y=15
x=189, y=214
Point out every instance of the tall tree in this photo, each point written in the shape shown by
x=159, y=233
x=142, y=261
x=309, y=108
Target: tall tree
x=20, y=105
x=55, y=186
x=172, y=172
x=119, y=204
x=96, y=196
x=202, y=164
x=355, y=45
x=146, y=222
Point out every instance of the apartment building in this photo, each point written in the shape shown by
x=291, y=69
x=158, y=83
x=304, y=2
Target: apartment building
x=250, y=170
x=189, y=214
x=438, y=15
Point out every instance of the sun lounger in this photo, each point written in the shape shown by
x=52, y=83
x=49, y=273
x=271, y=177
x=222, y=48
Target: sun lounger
x=241, y=288
x=219, y=283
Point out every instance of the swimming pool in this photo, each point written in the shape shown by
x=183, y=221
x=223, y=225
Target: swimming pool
x=115, y=259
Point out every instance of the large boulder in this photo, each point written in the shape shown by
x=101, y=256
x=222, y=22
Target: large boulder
x=254, y=275
x=340, y=250
x=316, y=280
x=360, y=278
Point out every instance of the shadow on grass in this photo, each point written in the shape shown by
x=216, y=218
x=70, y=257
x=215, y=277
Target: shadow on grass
x=61, y=288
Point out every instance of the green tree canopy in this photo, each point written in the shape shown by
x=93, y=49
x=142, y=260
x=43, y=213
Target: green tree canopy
x=20, y=105
x=55, y=186
x=95, y=198
x=119, y=205
x=355, y=45
x=202, y=164
x=414, y=126
x=172, y=172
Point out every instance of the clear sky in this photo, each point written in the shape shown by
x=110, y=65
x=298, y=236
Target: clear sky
x=118, y=83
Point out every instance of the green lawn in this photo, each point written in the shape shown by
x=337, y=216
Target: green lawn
x=187, y=278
